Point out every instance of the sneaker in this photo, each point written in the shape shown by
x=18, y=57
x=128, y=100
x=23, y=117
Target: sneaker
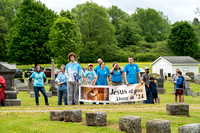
x=47, y=104
x=97, y=103
x=37, y=104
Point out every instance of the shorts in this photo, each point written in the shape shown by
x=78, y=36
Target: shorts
x=155, y=95
x=179, y=92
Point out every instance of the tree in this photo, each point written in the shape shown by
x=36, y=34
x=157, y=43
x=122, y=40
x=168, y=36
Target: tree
x=128, y=34
x=8, y=10
x=65, y=37
x=28, y=38
x=182, y=40
x=97, y=33
x=155, y=26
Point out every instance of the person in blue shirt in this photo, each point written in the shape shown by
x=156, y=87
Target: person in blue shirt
x=131, y=71
x=73, y=72
x=116, y=73
x=89, y=75
x=99, y=66
x=38, y=85
x=61, y=81
x=102, y=76
x=179, y=87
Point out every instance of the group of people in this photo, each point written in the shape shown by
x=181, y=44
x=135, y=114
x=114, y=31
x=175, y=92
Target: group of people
x=72, y=76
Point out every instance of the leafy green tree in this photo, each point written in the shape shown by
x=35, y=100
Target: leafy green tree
x=65, y=37
x=97, y=32
x=8, y=10
x=28, y=38
x=155, y=26
x=182, y=39
x=128, y=33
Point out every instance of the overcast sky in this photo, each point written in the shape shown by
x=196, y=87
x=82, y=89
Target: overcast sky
x=176, y=10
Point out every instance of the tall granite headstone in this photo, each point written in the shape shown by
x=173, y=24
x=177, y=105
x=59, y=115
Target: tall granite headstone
x=8, y=72
x=197, y=79
x=191, y=75
x=160, y=83
x=53, y=88
x=187, y=85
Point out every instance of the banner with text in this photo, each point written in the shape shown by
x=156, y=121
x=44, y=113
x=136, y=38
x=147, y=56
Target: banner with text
x=122, y=93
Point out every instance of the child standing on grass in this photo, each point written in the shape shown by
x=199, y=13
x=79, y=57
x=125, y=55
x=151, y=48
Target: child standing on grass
x=153, y=88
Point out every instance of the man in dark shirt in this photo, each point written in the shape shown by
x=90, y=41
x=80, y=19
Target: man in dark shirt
x=146, y=79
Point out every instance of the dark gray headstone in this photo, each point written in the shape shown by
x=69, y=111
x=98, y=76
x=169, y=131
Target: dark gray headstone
x=73, y=115
x=191, y=75
x=8, y=72
x=53, y=88
x=161, y=73
x=198, y=93
x=130, y=124
x=57, y=115
x=96, y=119
x=177, y=109
x=158, y=126
x=189, y=128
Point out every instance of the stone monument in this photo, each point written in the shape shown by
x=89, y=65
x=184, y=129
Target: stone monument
x=197, y=79
x=187, y=86
x=191, y=75
x=160, y=83
x=53, y=88
x=8, y=72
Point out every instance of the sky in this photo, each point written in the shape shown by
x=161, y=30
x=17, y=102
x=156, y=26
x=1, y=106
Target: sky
x=176, y=10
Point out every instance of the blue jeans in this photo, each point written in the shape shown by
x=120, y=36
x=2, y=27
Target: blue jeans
x=148, y=95
x=3, y=102
x=62, y=93
x=36, y=90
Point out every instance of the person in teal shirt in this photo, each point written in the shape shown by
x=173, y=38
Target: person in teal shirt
x=99, y=66
x=102, y=76
x=90, y=75
x=116, y=73
x=73, y=72
x=61, y=81
x=38, y=85
x=131, y=71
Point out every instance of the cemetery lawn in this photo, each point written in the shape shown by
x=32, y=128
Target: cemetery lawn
x=31, y=118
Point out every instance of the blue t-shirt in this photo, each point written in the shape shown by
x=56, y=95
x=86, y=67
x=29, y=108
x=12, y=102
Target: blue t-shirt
x=61, y=78
x=131, y=73
x=117, y=76
x=38, y=79
x=179, y=83
x=153, y=87
x=99, y=67
x=90, y=75
x=102, y=77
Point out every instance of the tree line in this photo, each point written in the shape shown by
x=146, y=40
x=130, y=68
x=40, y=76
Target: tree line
x=30, y=33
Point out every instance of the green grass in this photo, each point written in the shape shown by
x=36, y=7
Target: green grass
x=31, y=118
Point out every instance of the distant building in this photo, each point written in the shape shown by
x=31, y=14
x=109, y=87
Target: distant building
x=170, y=63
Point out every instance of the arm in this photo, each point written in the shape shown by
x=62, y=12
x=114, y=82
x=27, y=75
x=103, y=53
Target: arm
x=108, y=81
x=173, y=79
x=112, y=70
x=138, y=73
x=95, y=79
x=126, y=79
x=179, y=82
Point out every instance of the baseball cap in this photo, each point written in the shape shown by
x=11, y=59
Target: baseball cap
x=146, y=68
x=90, y=65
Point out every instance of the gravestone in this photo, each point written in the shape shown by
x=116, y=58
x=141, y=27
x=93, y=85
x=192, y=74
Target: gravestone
x=30, y=86
x=57, y=115
x=158, y=126
x=16, y=81
x=160, y=83
x=194, y=95
x=8, y=72
x=177, y=109
x=189, y=128
x=96, y=119
x=197, y=79
x=191, y=75
x=130, y=124
x=53, y=88
x=198, y=93
x=73, y=115
x=22, y=87
x=187, y=85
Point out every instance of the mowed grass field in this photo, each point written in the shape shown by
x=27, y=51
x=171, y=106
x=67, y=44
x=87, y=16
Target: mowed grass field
x=31, y=118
